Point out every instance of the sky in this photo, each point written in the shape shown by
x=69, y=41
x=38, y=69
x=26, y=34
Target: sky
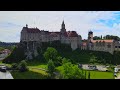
x=100, y=22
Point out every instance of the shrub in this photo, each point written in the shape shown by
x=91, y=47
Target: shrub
x=14, y=66
x=23, y=66
x=51, y=67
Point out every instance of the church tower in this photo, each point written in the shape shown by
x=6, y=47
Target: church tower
x=63, y=30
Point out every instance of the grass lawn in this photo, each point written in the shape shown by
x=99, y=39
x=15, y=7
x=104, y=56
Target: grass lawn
x=31, y=74
x=94, y=74
x=101, y=75
x=37, y=64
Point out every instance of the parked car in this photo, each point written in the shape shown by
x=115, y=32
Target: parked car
x=2, y=68
x=92, y=67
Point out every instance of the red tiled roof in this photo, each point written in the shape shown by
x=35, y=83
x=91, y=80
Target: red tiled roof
x=72, y=34
x=33, y=30
x=57, y=32
x=108, y=41
x=84, y=44
x=68, y=32
x=6, y=51
x=53, y=34
x=65, y=34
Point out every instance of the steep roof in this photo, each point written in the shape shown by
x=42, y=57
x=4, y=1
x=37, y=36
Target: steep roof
x=33, y=30
x=108, y=41
x=57, y=32
x=53, y=34
x=72, y=34
x=84, y=44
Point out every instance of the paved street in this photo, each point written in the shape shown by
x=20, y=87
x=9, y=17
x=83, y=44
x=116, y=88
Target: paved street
x=5, y=75
x=99, y=67
x=1, y=58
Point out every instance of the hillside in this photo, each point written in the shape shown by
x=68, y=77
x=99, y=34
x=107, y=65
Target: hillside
x=77, y=56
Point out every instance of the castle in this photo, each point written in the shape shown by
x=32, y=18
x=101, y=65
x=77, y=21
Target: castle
x=100, y=45
x=33, y=37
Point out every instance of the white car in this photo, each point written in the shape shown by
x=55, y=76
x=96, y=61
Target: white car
x=3, y=68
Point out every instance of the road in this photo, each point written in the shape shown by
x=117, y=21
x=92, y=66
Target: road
x=1, y=58
x=5, y=75
x=99, y=67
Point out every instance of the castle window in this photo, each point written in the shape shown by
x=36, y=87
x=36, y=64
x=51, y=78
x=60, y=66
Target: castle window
x=92, y=45
x=103, y=43
x=109, y=46
x=115, y=46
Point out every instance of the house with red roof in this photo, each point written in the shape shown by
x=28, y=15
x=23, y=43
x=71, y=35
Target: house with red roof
x=101, y=45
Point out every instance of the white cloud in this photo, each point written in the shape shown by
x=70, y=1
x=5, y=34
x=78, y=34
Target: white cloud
x=80, y=21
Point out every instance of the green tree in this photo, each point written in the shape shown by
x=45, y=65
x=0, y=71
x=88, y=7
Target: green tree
x=2, y=48
x=101, y=36
x=85, y=74
x=14, y=66
x=51, y=67
x=71, y=71
x=23, y=66
x=96, y=38
x=59, y=60
x=65, y=60
x=51, y=54
x=93, y=60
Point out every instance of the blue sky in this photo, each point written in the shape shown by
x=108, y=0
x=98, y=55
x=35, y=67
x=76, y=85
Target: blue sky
x=100, y=22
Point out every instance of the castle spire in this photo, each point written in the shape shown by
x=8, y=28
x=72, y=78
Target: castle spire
x=63, y=27
x=63, y=22
x=26, y=25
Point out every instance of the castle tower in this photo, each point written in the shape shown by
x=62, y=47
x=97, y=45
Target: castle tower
x=63, y=30
x=90, y=36
x=26, y=26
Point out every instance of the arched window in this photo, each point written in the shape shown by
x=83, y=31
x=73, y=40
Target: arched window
x=109, y=46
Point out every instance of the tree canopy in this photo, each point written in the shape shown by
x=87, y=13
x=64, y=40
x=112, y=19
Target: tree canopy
x=51, y=53
x=51, y=67
x=71, y=71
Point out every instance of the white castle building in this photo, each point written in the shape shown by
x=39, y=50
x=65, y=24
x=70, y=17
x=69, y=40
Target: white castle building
x=100, y=45
x=33, y=36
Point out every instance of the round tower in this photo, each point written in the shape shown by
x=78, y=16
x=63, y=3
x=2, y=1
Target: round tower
x=90, y=36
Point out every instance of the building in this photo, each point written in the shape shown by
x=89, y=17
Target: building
x=100, y=45
x=33, y=36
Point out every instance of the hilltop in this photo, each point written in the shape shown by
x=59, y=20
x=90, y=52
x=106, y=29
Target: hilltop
x=76, y=56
